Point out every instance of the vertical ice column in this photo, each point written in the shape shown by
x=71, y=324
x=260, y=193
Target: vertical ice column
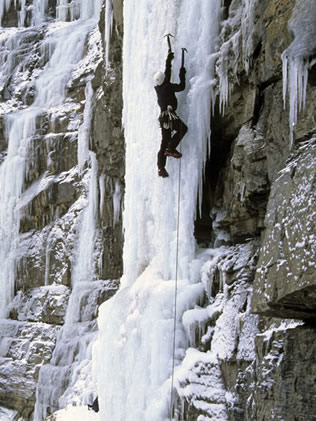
x=117, y=196
x=248, y=27
x=133, y=356
x=151, y=204
x=84, y=130
x=90, y=9
x=83, y=269
x=4, y=7
x=296, y=59
x=84, y=260
x=39, y=9
x=20, y=128
x=202, y=48
x=22, y=12
x=67, y=10
x=108, y=29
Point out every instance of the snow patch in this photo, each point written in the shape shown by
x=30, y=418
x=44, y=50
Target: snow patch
x=74, y=413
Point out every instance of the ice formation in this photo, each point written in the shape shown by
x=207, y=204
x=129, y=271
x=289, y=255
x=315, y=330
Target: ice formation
x=65, y=51
x=78, y=333
x=38, y=10
x=84, y=130
x=62, y=51
x=136, y=325
x=108, y=29
x=134, y=352
x=298, y=58
x=149, y=196
x=241, y=44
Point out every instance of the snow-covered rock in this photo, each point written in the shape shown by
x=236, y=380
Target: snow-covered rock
x=285, y=284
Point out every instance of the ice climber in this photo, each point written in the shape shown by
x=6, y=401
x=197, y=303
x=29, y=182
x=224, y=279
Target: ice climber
x=172, y=127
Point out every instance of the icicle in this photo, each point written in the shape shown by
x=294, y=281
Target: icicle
x=22, y=13
x=108, y=29
x=194, y=322
x=117, y=196
x=102, y=192
x=247, y=30
x=70, y=10
x=62, y=10
x=4, y=7
x=47, y=256
x=296, y=60
x=84, y=267
x=228, y=58
x=84, y=130
x=90, y=9
x=39, y=9
x=67, y=10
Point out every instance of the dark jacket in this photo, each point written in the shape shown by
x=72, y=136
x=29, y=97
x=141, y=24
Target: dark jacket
x=166, y=91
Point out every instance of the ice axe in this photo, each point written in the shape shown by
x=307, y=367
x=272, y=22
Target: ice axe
x=183, y=50
x=169, y=43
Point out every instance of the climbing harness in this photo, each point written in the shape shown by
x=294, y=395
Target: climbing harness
x=166, y=118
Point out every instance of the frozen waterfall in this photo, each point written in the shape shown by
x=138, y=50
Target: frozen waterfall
x=61, y=50
x=35, y=13
x=152, y=244
x=73, y=347
x=133, y=356
x=64, y=47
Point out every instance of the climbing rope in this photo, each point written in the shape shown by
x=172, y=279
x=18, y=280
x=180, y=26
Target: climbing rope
x=175, y=296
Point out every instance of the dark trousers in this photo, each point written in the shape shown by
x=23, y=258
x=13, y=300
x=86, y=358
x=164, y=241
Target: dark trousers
x=169, y=142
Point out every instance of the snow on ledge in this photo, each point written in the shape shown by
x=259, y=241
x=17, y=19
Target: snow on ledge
x=74, y=413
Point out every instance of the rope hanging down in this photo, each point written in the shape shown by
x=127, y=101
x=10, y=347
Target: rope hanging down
x=175, y=298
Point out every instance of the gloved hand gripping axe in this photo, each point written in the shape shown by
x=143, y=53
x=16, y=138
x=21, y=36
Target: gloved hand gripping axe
x=169, y=43
x=183, y=50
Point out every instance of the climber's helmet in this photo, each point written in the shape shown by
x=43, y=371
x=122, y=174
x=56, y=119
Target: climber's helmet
x=159, y=78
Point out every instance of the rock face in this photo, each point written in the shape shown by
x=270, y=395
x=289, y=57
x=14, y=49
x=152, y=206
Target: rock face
x=285, y=378
x=25, y=347
x=45, y=304
x=286, y=269
x=214, y=374
x=261, y=187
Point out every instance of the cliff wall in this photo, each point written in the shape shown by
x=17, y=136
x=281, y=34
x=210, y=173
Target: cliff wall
x=260, y=189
